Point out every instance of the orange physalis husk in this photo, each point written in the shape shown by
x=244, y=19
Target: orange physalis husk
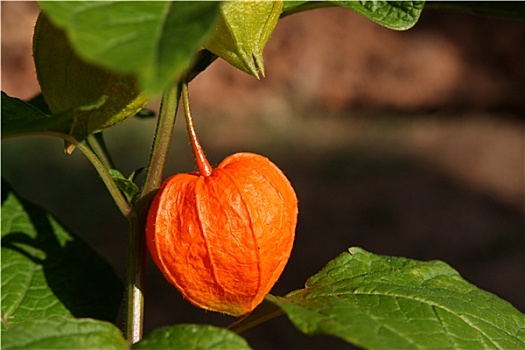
x=223, y=236
x=223, y=239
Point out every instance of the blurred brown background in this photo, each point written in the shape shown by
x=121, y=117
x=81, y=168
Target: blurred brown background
x=403, y=143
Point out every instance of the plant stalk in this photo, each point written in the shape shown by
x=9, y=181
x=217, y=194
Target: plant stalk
x=161, y=143
x=204, y=166
x=98, y=145
x=106, y=177
x=134, y=317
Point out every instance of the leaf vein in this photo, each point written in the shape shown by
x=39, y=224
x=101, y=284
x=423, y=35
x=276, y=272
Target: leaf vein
x=433, y=304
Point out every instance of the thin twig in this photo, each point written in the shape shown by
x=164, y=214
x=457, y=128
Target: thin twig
x=106, y=177
x=99, y=165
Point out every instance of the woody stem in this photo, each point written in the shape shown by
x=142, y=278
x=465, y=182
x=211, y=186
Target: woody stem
x=202, y=162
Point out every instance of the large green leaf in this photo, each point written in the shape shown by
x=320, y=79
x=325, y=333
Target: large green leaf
x=62, y=333
x=398, y=15
x=153, y=40
x=48, y=271
x=384, y=302
x=190, y=336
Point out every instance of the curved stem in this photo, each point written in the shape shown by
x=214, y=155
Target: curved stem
x=204, y=166
x=106, y=177
x=97, y=163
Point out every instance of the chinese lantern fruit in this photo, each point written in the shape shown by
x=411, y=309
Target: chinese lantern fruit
x=223, y=239
x=69, y=82
x=223, y=236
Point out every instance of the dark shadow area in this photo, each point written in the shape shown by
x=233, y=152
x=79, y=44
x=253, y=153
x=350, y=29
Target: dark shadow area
x=83, y=282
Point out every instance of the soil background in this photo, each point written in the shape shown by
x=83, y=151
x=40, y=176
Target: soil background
x=402, y=143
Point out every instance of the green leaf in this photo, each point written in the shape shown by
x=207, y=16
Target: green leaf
x=190, y=336
x=153, y=40
x=48, y=271
x=385, y=302
x=19, y=117
x=397, y=15
x=67, y=334
x=126, y=185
